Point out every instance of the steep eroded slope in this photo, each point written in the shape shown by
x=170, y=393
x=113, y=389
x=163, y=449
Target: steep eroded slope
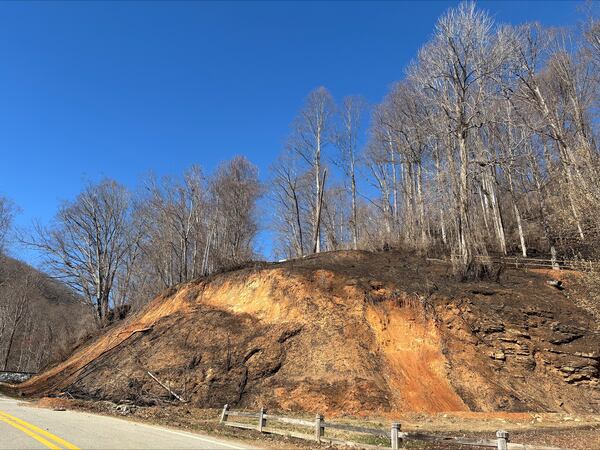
x=347, y=332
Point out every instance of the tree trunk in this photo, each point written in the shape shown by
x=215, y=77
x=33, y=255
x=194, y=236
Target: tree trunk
x=517, y=214
x=298, y=221
x=354, y=212
x=10, y=344
x=464, y=237
x=317, y=236
x=421, y=204
x=394, y=181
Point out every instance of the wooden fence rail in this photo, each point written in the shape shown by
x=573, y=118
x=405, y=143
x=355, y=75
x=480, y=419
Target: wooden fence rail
x=520, y=261
x=395, y=437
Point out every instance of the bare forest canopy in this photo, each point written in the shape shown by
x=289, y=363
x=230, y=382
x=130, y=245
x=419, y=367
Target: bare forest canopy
x=41, y=320
x=488, y=145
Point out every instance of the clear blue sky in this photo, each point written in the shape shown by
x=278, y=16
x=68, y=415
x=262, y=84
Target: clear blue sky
x=119, y=89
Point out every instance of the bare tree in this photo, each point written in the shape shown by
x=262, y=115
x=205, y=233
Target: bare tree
x=289, y=191
x=174, y=215
x=313, y=131
x=88, y=242
x=347, y=140
x=552, y=96
x=409, y=121
x=235, y=189
x=14, y=312
x=592, y=34
x=381, y=172
x=338, y=231
x=7, y=211
x=455, y=70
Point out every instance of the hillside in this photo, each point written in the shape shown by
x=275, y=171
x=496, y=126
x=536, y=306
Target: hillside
x=41, y=320
x=347, y=332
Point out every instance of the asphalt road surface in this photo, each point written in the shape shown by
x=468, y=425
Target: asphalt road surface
x=25, y=427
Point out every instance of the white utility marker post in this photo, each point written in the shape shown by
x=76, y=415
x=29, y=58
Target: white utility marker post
x=262, y=422
x=319, y=427
x=395, y=434
x=224, y=413
x=502, y=439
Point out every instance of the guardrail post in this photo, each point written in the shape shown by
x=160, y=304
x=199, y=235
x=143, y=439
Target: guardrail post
x=262, y=421
x=224, y=413
x=319, y=427
x=502, y=439
x=395, y=436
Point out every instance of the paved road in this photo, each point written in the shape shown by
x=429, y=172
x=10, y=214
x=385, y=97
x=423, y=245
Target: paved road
x=26, y=427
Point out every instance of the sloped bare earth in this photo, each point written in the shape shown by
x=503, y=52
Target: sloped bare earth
x=347, y=333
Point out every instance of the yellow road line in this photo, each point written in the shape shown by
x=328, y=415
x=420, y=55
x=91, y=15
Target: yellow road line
x=31, y=434
x=7, y=417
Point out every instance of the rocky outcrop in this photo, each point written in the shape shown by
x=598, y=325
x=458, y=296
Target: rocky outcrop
x=541, y=350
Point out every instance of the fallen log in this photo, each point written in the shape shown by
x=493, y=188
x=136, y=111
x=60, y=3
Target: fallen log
x=166, y=387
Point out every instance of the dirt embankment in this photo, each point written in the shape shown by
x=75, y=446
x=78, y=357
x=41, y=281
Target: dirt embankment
x=347, y=333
